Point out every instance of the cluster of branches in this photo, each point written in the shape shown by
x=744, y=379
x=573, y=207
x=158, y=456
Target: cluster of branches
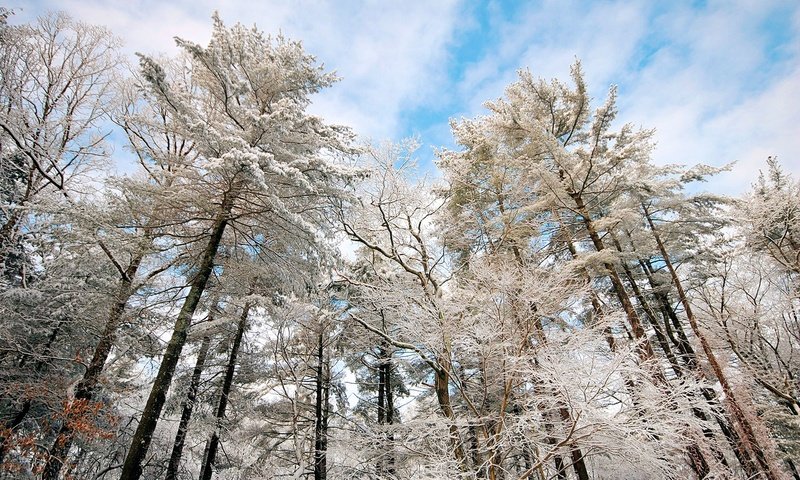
x=556, y=306
x=127, y=299
x=578, y=312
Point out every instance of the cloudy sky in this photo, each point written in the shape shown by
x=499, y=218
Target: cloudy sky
x=719, y=80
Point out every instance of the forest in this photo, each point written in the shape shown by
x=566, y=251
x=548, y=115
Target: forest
x=267, y=295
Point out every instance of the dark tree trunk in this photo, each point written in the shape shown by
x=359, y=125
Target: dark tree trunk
x=385, y=409
x=793, y=468
x=649, y=314
x=645, y=349
x=321, y=411
x=688, y=356
x=750, y=440
x=381, y=388
x=7, y=237
x=387, y=365
x=672, y=323
x=561, y=470
x=577, y=456
x=140, y=444
x=210, y=454
x=188, y=407
x=580, y=466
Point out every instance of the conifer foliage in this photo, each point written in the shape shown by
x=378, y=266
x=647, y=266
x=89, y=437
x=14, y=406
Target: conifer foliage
x=264, y=297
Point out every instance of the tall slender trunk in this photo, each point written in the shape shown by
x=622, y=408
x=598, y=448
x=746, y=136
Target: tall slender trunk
x=577, y=456
x=188, y=407
x=688, y=357
x=385, y=409
x=644, y=347
x=381, y=390
x=210, y=454
x=672, y=323
x=7, y=236
x=387, y=375
x=140, y=444
x=649, y=313
x=561, y=470
x=664, y=342
x=737, y=413
x=321, y=412
x=441, y=386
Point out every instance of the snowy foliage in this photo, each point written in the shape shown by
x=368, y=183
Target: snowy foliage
x=555, y=306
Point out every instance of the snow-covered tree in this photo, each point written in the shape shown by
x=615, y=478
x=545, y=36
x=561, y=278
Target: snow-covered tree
x=259, y=154
x=56, y=78
x=541, y=172
x=771, y=214
x=556, y=305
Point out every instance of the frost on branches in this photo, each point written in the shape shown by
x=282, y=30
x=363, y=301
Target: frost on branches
x=554, y=305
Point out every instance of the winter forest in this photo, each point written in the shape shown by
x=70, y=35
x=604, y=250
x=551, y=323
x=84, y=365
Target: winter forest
x=269, y=296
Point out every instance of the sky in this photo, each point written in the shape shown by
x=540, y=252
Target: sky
x=718, y=80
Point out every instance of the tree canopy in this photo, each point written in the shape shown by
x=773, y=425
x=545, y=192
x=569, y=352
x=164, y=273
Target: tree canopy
x=268, y=296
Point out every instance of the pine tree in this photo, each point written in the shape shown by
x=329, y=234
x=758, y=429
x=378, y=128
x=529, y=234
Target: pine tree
x=257, y=149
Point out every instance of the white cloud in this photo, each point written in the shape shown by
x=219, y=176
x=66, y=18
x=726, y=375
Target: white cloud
x=147, y=27
x=547, y=38
x=390, y=56
x=702, y=76
x=714, y=97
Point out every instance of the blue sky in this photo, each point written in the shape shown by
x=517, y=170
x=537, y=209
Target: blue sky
x=719, y=80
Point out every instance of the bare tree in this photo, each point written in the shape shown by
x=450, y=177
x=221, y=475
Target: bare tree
x=56, y=79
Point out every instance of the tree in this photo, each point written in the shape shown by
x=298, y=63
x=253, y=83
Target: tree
x=771, y=212
x=55, y=89
x=46, y=328
x=491, y=222
x=259, y=154
x=556, y=306
x=209, y=457
x=140, y=217
x=506, y=336
x=188, y=403
x=394, y=225
x=541, y=172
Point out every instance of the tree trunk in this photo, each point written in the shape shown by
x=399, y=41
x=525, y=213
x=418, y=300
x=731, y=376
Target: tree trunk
x=644, y=347
x=321, y=413
x=561, y=470
x=441, y=385
x=751, y=441
x=140, y=444
x=7, y=236
x=577, y=456
x=649, y=313
x=386, y=409
x=688, y=356
x=210, y=454
x=386, y=462
x=188, y=406
x=672, y=323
